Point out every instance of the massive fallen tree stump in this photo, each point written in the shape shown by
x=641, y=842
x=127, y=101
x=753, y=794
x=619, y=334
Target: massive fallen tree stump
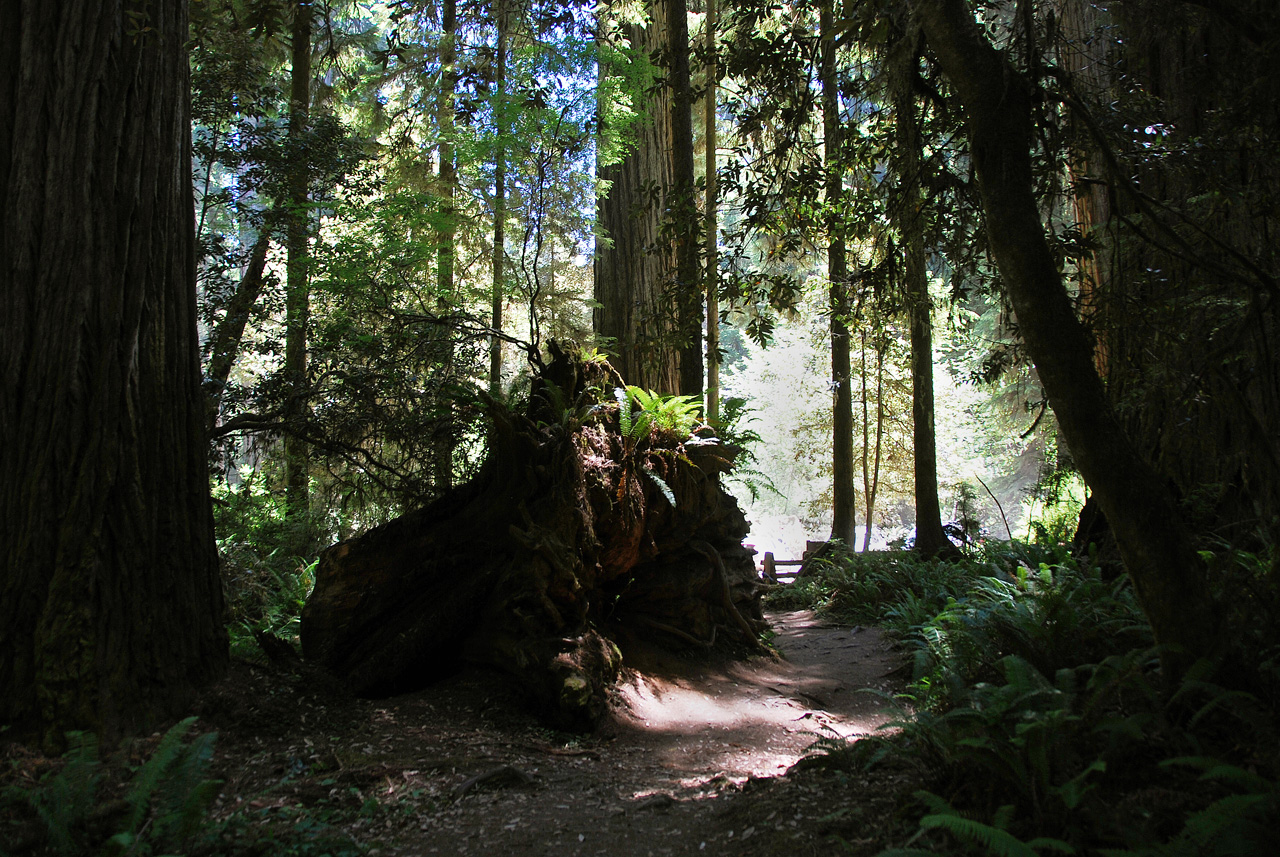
x=588, y=522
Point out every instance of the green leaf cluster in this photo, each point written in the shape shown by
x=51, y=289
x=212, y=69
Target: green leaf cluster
x=640, y=411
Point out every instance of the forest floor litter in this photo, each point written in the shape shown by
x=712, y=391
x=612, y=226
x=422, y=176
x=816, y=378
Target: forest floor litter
x=690, y=761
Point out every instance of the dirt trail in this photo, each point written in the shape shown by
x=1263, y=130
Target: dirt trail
x=682, y=768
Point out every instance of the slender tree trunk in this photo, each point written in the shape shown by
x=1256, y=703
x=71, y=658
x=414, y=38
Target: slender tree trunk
x=930, y=538
x=844, y=499
x=110, y=599
x=224, y=341
x=871, y=474
x=297, y=291
x=712, y=226
x=499, y=200
x=445, y=251
x=681, y=206
x=631, y=314
x=1158, y=552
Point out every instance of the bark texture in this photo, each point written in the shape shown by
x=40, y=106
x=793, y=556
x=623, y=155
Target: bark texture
x=446, y=234
x=1179, y=288
x=682, y=209
x=563, y=543
x=1153, y=543
x=711, y=223
x=637, y=286
x=110, y=602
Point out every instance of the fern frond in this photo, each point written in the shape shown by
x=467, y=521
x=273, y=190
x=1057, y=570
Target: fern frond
x=1215, y=769
x=624, y=411
x=999, y=842
x=936, y=804
x=66, y=798
x=661, y=483
x=1222, y=818
x=187, y=792
x=640, y=427
x=153, y=771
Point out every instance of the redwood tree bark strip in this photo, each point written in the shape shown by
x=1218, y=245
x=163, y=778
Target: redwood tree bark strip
x=843, y=524
x=110, y=600
x=681, y=208
x=628, y=276
x=1153, y=542
x=1085, y=62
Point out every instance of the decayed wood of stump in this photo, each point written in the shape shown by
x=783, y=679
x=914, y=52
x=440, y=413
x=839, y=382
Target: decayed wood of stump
x=561, y=544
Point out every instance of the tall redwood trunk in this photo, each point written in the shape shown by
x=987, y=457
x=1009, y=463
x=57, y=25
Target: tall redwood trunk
x=633, y=267
x=1153, y=542
x=870, y=461
x=682, y=208
x=110, y=601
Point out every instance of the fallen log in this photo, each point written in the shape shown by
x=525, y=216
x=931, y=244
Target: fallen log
x=566, y=541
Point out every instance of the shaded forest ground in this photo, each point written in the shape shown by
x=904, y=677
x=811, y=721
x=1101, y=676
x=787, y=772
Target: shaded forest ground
x=687, y=763
x=682, y=767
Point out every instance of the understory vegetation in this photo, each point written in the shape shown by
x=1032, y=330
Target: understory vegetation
x=1038, y=722
x=1041, y=722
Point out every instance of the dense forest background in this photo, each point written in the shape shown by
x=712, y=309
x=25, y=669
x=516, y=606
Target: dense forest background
x=404, y=213
x=960, y=278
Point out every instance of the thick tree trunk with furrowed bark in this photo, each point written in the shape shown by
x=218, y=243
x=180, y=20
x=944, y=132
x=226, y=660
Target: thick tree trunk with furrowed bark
x=646, y=270
x=110, y=602
x=566, y=541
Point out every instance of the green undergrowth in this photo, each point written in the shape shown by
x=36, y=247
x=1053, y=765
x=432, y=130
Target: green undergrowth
x=1041, y=718
x=268, y=565
x=85, y=806
x=91, y=803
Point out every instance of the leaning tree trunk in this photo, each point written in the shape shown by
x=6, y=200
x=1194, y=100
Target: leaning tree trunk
x=1153, y=542
x=225, y=338
x=110, y=602
x=567, y=540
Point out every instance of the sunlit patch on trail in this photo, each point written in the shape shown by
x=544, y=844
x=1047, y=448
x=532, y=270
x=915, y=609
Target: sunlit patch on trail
x=757, y=718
